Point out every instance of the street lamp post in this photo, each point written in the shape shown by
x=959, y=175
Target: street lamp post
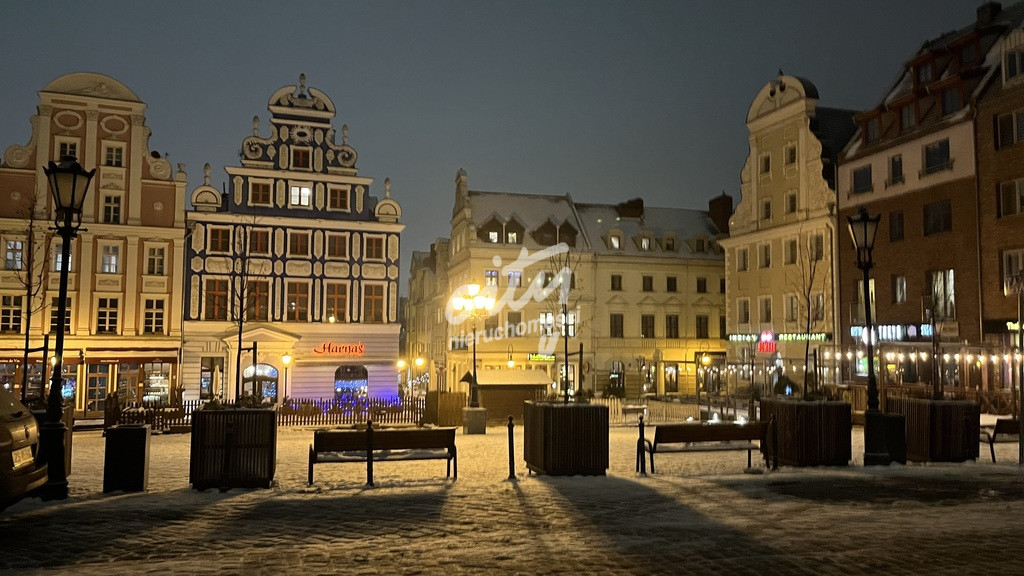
x=862, y=230
x=286, y=360
x=68, y=183
x=474, y=305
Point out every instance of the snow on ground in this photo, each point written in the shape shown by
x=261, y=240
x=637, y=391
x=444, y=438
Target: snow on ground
x=702, y=513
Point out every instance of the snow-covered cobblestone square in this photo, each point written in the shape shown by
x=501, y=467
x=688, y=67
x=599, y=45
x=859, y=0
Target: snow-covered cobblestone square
x=701, y=514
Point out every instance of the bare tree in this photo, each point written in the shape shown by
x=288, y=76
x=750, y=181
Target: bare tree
x=249, y=287
x=807, y=282
x=28, y=252
x=564, y=301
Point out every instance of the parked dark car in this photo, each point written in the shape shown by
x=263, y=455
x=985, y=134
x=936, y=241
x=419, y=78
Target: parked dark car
x=19, y=446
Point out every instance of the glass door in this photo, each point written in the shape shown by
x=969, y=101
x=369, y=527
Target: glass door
x=96, y=378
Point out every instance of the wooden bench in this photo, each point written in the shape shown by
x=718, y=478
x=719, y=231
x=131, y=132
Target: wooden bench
x=1004, y=427
x=387, y=444
x=704, y=437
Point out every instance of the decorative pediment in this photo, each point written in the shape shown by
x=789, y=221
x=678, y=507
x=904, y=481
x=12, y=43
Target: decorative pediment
x=259, y=332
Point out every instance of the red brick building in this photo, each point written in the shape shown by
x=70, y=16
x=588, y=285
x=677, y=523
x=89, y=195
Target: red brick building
x=920, y=160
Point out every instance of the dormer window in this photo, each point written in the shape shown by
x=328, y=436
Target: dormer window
x=615, y=242
x=1013, y=64
x=670, y=244
x=907, y=118
x=512, y=237
x=492, y=237
x=924, y=73
x=645, y=244
x=699, y=246
x=968, y=55
x=871, y=130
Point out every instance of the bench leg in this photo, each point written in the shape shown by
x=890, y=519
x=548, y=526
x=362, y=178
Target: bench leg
x=652, y=462
x=992, y=448
x=312, y=457
x=748, y=458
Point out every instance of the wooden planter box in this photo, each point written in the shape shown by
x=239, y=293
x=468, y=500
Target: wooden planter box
x=233, y=449
x=565, y=439
x=939, y=430
x=810, y=433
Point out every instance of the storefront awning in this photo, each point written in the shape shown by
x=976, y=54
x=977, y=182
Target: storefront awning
x=513, y=377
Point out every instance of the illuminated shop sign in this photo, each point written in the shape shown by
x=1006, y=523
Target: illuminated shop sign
x=534, y=357
x=782, y=337
x=335, y=349
x=894, y=332
x=766, y=343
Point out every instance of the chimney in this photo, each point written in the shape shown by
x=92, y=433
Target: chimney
x=720, y=210
x=987, y=13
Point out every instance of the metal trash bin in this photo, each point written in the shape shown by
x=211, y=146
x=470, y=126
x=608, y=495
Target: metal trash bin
x=895, y=426
x=126, y=458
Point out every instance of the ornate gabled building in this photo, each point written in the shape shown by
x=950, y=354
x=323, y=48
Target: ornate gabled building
x=932, y=166
x=779, y=254
x=645, y=293
x=124, y=301
x=292, y=280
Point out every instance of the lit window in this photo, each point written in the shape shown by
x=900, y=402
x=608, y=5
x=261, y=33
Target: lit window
x=615, y=242
x=899, y=289
x=15, y=253
x=300, y=196
x=492, y=236
x=515, y=279
x=110, y=259
x=490, y=277
x=645, y=244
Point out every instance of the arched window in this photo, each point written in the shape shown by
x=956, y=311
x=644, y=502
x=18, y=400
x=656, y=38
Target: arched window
x=350, y=383
x=260, y=380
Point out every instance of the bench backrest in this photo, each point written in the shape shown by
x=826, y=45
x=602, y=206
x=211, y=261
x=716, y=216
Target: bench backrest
x=385, y=439
x=1007, y=426
x=669, y=433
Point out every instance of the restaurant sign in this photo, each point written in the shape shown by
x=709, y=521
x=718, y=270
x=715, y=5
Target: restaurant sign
x=336, y=349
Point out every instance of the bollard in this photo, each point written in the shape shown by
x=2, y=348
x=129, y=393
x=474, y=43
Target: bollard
x=641, y=464
x=511, y=451
x=369, y=453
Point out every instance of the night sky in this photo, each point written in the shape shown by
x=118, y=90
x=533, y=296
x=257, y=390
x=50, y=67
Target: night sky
x=603, y=100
